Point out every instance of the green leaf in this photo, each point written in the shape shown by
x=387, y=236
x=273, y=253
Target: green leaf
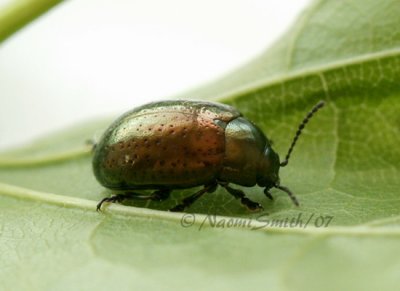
x=345, y=171
x=15, y=14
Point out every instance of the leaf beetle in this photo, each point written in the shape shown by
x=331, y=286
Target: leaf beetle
x=178, y=144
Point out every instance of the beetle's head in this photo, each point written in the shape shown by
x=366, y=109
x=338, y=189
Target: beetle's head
x=269, y=165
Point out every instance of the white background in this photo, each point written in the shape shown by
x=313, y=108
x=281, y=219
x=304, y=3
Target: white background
x=87, y=59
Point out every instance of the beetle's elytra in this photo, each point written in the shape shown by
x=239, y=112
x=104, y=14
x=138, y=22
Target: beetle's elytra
x=178, y=144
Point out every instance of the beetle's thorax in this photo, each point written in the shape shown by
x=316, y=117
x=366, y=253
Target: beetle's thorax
x=244, y=149
x=268, y=168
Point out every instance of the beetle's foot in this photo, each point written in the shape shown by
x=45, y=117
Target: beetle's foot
x=112, y=199
x=239, y=194
x=251, y=205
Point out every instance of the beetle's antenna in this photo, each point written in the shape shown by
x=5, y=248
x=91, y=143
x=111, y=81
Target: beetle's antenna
x=290, y=193
x=318, y=106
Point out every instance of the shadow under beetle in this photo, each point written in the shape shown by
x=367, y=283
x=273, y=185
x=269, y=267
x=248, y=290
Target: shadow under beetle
x=179, y=144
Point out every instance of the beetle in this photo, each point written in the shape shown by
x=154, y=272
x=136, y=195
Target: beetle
x=179, y=144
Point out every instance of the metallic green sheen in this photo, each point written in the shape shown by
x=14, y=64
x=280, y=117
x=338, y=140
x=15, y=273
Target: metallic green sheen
x=244, y=148
x=182, y=144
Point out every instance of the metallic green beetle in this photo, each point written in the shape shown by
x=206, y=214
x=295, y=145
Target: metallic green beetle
x=179, y=144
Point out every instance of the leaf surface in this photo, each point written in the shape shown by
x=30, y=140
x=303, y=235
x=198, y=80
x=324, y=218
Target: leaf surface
x=345, y=171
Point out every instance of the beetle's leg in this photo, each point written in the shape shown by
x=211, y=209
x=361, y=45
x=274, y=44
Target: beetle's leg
x=192, y=198
x=269, y=195
x=239, y=194
x=112, y=199
x=158, y=195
